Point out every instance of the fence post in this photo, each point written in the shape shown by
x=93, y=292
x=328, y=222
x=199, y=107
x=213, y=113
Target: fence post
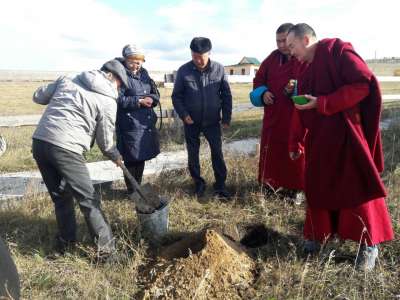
x=3, y=145
x=177, y=125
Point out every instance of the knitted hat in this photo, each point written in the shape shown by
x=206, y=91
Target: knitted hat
x=115, y=67
x=133, y=50
x=200, y=45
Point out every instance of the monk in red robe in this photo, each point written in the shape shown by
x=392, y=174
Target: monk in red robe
x=343, y=151
x=276, y=169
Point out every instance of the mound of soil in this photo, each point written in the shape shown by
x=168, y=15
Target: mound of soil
x=205, y=265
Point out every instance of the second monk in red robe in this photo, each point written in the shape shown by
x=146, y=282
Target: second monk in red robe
x=276, y=169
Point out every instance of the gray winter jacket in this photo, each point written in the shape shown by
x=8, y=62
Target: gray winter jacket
x=79, y=110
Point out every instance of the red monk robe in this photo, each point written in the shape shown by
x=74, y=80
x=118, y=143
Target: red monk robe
x=275, y=167
x=344, y=158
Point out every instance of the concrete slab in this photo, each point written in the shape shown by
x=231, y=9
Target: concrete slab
x=22, y=120
x=19, y=184
x=242, y=147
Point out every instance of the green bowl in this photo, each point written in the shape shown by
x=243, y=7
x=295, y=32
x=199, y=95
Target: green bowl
x=300, y=100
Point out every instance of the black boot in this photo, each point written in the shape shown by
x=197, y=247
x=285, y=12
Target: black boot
x=200, y=188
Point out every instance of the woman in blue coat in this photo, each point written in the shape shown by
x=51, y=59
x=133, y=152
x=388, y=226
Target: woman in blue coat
x=137, y=136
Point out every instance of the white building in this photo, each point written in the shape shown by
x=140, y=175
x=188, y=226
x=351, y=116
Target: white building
x=247, y=66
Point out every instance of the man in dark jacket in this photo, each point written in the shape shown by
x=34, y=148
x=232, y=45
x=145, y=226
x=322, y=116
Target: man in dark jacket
x=201, y=92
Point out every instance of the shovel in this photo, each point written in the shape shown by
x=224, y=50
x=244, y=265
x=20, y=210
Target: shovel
x=143, y=203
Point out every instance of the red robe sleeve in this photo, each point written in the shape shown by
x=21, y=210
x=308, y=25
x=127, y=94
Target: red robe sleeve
x=343, y=98
x=356, y=78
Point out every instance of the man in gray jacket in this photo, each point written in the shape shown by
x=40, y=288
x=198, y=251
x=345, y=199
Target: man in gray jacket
x=79, y=110
x=201, y=92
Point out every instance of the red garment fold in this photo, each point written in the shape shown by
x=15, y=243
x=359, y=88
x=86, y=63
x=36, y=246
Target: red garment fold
x=367, y=223
x=343, y=145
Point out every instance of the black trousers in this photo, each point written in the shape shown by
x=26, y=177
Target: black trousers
x=67, y=177
x=136, y=169
x=214, y=139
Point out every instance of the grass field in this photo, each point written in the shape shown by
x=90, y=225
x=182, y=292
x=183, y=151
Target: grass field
x=16, y=97
x=390, y=88
x=18, y=156
x=283, y=272
x=384, y=69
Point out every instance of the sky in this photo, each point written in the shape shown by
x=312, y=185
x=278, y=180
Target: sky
x=75, y=35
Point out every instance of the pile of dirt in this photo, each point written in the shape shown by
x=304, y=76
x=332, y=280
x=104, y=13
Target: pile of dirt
x=201, y=266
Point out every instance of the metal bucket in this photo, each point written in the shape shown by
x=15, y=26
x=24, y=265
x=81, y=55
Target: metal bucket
x=154, y=226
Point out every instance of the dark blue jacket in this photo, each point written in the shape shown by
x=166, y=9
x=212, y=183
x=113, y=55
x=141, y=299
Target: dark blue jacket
x=202, y=94
x=137, y=136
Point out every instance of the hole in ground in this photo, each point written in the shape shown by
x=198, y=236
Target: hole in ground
x=255, y=236
x=189, y=244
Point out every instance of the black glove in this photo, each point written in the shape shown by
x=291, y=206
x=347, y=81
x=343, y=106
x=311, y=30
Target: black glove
x=130, y=92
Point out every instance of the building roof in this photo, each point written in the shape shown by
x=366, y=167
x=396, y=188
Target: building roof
x=249, y=60
x=246, y=60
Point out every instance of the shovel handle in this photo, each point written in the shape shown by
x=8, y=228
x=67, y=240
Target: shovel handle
x=133, y=181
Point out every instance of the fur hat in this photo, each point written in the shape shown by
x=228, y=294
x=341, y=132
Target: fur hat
x=200, y=45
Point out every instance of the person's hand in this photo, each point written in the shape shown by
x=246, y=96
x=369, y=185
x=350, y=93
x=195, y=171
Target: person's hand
x=188, y=120
x=289, y=88
x=146, y=102
x=268, y=98
x=295, y=155
x=118, y=162
x=225, y=125
x=310, y=105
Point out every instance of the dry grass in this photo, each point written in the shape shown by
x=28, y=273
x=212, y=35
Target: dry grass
x=240, y=92
x=28, y=226
x=383, y=69
x=390, y=88
x=18, y=156
x=16, y=97
x=283, y=272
